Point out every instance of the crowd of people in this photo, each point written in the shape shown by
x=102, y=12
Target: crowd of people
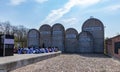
x=35, y=50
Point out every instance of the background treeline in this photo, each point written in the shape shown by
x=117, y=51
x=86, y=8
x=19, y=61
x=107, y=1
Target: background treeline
x=19, y=32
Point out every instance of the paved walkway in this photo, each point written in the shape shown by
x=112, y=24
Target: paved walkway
x=18, y=57
x=9, y=63
x=74, y=63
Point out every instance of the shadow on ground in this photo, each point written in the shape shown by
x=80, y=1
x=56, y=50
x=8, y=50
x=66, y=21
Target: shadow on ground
x=89, y=55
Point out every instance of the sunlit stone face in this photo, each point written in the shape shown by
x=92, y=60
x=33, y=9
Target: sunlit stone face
x=33, y=38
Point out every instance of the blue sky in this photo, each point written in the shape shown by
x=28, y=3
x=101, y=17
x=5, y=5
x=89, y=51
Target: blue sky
x=70, y=13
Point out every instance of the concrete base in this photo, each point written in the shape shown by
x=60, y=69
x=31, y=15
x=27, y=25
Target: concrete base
x=12, y=62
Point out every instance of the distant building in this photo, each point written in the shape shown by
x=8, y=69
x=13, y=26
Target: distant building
x=113, y=46
x=90, y=40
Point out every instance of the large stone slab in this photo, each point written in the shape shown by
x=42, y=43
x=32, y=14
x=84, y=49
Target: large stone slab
x=58, y=36
x=33, y=38
x=96, y=28
x=71, y=42
x=45, y=35
x=85, y=42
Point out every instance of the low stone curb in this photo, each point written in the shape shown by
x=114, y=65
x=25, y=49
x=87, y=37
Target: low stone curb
x=14, y=64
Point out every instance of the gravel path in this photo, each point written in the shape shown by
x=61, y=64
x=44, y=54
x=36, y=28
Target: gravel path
x=74, y=63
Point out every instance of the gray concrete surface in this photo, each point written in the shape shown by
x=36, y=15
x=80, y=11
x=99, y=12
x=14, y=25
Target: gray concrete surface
x=9, y=63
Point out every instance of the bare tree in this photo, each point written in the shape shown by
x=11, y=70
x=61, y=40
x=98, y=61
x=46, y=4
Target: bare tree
x=20, y=32
x=14, y=30
x=1, y=28
x=22, y=35
x=7, y=27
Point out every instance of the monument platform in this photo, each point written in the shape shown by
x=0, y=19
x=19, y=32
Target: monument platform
x=9, y=63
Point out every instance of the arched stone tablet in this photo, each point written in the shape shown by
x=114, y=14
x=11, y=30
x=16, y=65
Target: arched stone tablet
x=33, y=38
x=85, y=41
x=58, y=36
x=96, y=28
x=45, y=35
x=71, y=42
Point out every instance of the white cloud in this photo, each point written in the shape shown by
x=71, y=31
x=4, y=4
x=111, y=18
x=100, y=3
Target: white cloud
x=17, y=2
x=41, y=1
x=86, y=2
x=58, y=13
x=70, y=21
x=108, y=9
x=113, y=8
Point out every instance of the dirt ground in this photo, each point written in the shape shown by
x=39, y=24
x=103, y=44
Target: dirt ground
x=74, y=63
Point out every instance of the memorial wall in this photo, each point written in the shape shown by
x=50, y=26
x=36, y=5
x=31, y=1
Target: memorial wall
x=33, y=38
x=90, y=40
x=71, y=42
x=96, y=28
x=58, y=32
x=45, y=36
x=85, y=41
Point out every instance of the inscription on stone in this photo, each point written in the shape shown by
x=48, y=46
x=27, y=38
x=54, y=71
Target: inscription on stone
x=84, y=39
x=71, y=36
x=92, y=28
x=44, y=32
x=57, y=32
x=32, y=35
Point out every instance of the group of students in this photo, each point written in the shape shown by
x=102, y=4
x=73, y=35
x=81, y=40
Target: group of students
x=33, y=50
